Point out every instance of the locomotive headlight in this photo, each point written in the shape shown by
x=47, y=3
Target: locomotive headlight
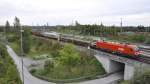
x=137, y=53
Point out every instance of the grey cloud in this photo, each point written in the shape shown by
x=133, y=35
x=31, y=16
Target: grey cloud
x=99, y=8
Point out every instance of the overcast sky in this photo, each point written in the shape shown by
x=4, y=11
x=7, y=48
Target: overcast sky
x=58, y=12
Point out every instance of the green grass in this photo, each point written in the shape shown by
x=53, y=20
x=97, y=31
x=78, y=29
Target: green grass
x=125, y=82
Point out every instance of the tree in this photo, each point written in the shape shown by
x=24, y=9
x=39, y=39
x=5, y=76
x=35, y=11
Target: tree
x=17, y=26
x=7, y=26
x=27, y=40
x=69, y=55
x=141, y=28
x=77, y=23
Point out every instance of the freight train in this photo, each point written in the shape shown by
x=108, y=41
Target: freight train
x=112, y=47
x=63, y=38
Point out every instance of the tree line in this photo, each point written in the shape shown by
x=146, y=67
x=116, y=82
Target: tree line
x=101, y=30
x=13, y=34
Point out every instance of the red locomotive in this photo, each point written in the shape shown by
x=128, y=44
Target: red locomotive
x=114, y=47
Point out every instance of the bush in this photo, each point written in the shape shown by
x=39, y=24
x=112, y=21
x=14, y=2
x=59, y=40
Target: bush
x=142, y=79
x=12, y=38
x=55, y=47
x=49, y=65
x=69, y=55
x=139, y=79
x=32, y=70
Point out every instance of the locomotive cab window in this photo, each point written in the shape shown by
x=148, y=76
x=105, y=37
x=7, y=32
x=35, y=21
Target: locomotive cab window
x=136, y=49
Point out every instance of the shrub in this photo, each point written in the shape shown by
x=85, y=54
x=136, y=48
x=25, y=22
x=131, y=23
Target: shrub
x=69, y=55
x=32, y=70
x=12, y=38
x=55, y=47
x=49, y=65
x=142, y=79
x=139, y=79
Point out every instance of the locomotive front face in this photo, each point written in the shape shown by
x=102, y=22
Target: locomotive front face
x=135, y=50
x=137, y=53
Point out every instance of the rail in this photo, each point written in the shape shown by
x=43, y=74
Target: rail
x=142, y=58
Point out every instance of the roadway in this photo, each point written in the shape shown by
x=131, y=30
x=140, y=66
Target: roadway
x=107, y=80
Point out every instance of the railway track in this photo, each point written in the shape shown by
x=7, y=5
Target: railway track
x=145, y=50
x=142, y=58
x=145, y=57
